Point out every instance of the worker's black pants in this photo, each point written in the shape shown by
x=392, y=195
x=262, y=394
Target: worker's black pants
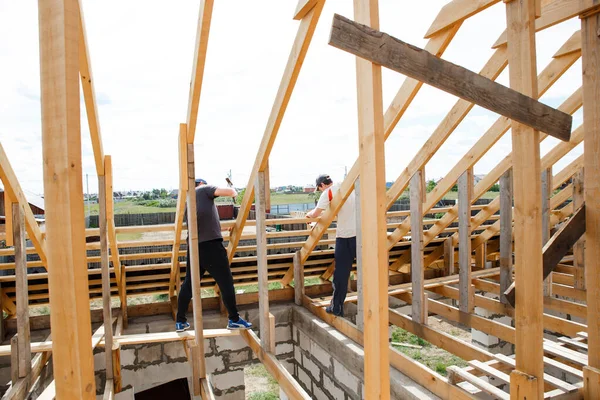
x=213, y=258
x=345, y=253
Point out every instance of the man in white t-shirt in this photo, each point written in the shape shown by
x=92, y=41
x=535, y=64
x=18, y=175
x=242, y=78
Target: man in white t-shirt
x=345, y=241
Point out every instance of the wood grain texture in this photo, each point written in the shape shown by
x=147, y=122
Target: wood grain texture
x=465, y=193
x=506, y=234
x=579, y=247
x=104, y=265
x=261, y=261
x=417, y=272
x=412, y=61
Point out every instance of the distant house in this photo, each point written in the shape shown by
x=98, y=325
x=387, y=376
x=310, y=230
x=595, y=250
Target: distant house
x=309, y=189
x=35, y=202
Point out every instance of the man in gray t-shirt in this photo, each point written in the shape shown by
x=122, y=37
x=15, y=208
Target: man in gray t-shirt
x=213, y=257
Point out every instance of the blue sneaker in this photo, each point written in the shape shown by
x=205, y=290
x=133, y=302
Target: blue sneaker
x=181, y=326
x=240, y=324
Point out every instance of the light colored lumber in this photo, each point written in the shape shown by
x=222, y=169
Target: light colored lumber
x=579, y=247
x=261, y=261
x=591, y=381
x=89, y=94
x=8, y=218
x=465, y=195
x=449, y=268
x=106, y=300
x=417, y=272
x=109, y=389
x=303, y=7
x=506, y=236
x=63, y=194
x=195, y=358
x=18, y=225
x=457, y=11
x=520, y=16
x=360, y=305
x=546, y=195
x=202, y=33
x=374, y=252
x=175, y=280
x=454, y=371
x=490, y=371
x=206, y=389
x=298, y=279
x=591, y=115
x=284, y=93
x=412, y=61
x=194, y=262
x=286, y=381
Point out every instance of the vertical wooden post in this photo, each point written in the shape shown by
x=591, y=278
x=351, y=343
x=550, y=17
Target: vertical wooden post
x=417, y=272
x=373, y=220
x=261, y=260
x=481, y=255
x=528, y=224
x=298, y=278
x=267, y=189
x=579, y=248
x=449, y=256
x=195, y=269
x=18, y=224
x=546, y=194
x=465, y=195
x=107, y=310
x=590, y=49
x=116, y=363
x=14, y=359
x=360, y=322
x=506, y=234
x=8, y=221
x=63, y=194
x=272, y=340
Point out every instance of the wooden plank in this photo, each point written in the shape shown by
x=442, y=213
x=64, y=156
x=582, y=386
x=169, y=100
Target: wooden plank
x=449, y=268
x=479, y=383
x=284, y=93
x=571, y=46
x=417, y=272
x=465, y=195
x=8, y=219
x=63, y=194
x=490, y=371
x=18, y=218
x=573, y=343
x=412, y=61
x=286, y=381
x=106, y=306
x=206, y=389
x=562, y=352
x=520, y=16
x=506, y=240
x=202, y=33
x=109, y=390
x=553, y=13
x=373, y=222
x=195, y=263
x=360, y=305
x=298, y=279
x=591, y=115
x=457, y=11
x=49, y=393
x=12, y=190
x=116, y=362
x=591, y=379
x=546, y=211
x=14, y=359
x=89, y=94
x=303, y=8
x=579, y=247
x=261, y=261
x=195, y=358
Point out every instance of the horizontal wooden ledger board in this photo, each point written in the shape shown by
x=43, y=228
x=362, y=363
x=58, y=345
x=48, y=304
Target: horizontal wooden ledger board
x=392, y=53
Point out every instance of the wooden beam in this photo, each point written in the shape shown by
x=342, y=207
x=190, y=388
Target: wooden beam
x=520, y=16
x=417, y=272
x=298, y=279
x=554, y=13
x=206, y=389
x=286, y=87
x=202, y=33
x=449, y=268
x=546, y=216
x=261, y=262
x=303, y=8
x=360, y=304
x=579, y=247
x=106, y=300
x=457, y=11
x=506, y=239
x=13, y=191
x=590, y=24
x=195, y=262
x=412, y=61
x=18, y=217
x=89, y=94
x=465, y=196
x=63, y=193
x=286, y=381
x=374, y=252
x=8, y=219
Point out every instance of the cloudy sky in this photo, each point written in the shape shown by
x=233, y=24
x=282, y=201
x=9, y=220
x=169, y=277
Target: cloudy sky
x=141, y=53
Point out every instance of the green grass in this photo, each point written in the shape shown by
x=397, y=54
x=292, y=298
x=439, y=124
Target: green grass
x=486, y=195
x=129, y=236
x=253, y=288
x=128, y=207
x=434, y=358
x=271, y=391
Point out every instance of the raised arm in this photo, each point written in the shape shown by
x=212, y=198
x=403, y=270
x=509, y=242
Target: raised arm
x=225, y=192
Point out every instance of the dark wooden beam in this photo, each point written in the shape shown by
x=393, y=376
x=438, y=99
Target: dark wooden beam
x=392, y=53
x=557, y=247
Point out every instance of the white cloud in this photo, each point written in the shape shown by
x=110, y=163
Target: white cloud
x=142, y=52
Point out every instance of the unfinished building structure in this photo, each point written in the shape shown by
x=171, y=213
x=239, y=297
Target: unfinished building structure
x=509, y=272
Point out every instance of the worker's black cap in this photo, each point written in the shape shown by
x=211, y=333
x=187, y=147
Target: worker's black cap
x=200, y=180
x=323, y=179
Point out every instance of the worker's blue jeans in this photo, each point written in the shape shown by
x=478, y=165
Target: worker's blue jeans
x=345, y=253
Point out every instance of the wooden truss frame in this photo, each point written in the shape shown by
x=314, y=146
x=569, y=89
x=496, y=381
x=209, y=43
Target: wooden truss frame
x=415, y=270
